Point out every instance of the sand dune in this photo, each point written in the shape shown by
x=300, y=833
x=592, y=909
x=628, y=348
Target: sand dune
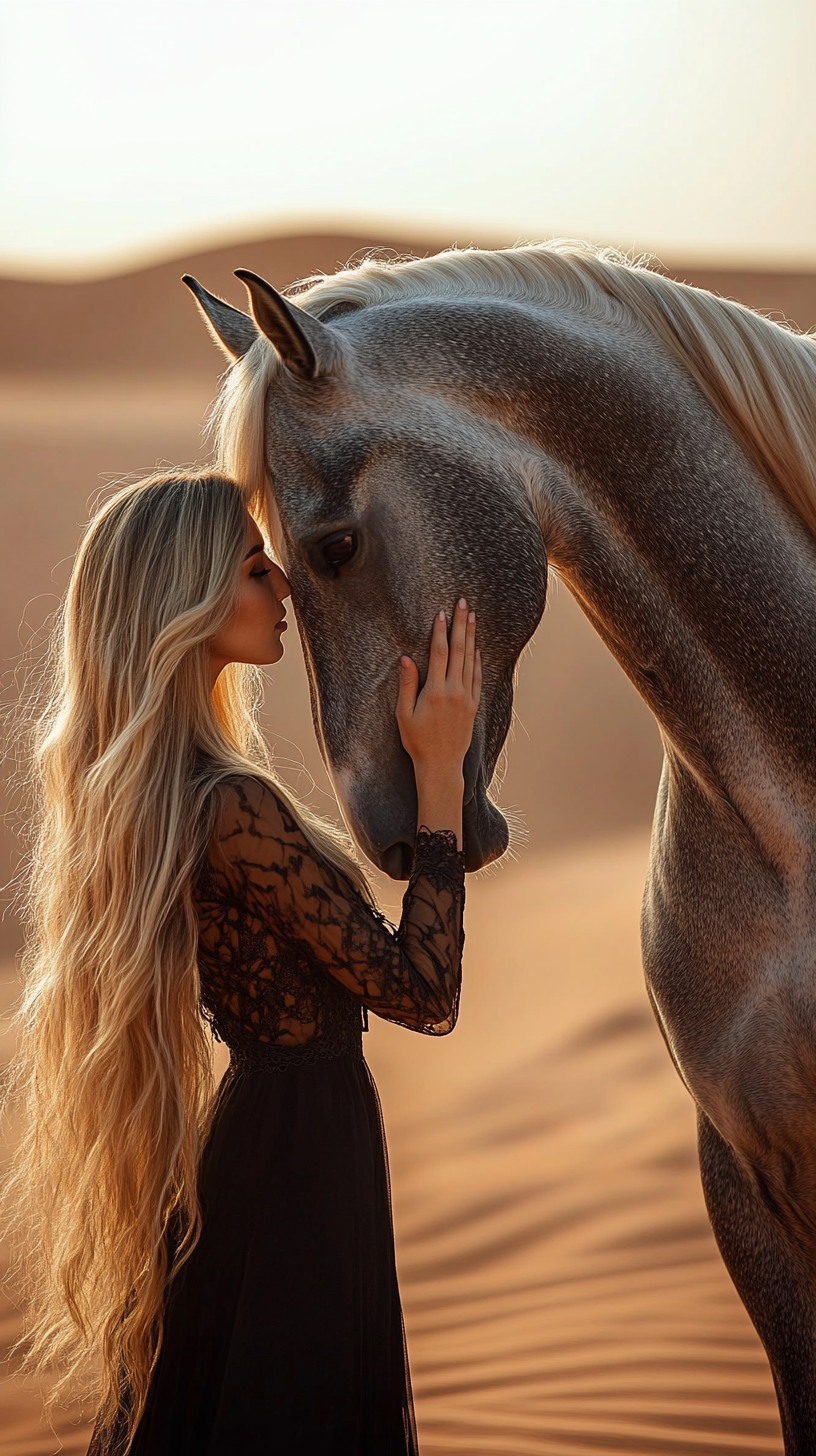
x=562, y=1288
x=144, y=321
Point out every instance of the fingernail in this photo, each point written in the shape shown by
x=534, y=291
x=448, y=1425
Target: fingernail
x=442, y=614
x=462, y=604
x=471, y=616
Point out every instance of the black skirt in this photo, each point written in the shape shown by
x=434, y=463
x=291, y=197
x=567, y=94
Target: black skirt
x=283, y=1332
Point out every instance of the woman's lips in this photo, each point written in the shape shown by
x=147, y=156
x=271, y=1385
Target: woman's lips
x=282, y=625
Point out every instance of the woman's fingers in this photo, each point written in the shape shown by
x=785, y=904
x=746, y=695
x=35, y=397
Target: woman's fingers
x=451, y=660
x=436, y=723
x=458, y=635
x=470, y=652
x=438, y=658
x=408, y=687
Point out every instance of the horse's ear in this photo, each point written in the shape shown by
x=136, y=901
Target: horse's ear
x=233, y=331
x=306, y=346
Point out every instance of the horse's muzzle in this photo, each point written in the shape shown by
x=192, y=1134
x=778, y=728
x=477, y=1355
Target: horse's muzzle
x=485, y=832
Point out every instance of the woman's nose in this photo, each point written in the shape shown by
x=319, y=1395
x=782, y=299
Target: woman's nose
x=281, y=583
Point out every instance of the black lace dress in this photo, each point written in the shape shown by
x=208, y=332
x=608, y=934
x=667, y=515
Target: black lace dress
x=283, y=1333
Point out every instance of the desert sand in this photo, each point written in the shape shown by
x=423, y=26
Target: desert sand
x=563, y=1293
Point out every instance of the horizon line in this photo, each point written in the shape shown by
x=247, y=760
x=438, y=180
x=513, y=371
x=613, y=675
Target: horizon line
x=17, y=267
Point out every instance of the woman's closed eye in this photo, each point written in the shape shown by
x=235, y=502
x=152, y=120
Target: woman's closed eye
x=261, y=571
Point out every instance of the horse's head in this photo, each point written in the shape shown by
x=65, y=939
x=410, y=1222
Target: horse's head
x=389, y=500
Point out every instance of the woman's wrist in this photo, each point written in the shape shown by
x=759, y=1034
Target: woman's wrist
x=437, y=772
x=440, y=794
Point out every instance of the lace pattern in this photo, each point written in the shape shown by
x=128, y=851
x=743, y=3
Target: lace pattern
x=290, y=954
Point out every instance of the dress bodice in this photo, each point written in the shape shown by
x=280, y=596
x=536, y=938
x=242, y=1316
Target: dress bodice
x=292, y=957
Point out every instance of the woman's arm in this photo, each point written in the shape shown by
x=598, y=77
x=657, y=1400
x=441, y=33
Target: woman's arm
x=411, y=975
x=303, y=906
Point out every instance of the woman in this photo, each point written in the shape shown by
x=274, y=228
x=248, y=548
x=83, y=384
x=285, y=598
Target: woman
x=229, y=1271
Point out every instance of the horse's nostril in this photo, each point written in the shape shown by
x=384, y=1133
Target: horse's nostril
x=397, y=860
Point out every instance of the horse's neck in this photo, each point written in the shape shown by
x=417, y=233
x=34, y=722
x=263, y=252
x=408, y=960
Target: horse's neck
x=695, y=576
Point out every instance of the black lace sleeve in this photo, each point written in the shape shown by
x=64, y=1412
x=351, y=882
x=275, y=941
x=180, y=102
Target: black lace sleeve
x=304, y=910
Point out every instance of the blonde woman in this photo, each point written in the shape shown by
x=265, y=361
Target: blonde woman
x=225, y=1272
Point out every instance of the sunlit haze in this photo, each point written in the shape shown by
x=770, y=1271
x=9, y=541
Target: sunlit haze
x=129, y=127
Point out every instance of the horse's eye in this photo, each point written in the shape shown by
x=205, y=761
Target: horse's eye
x=338, y=549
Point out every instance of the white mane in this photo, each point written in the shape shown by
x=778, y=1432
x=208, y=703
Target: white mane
x=760, y=375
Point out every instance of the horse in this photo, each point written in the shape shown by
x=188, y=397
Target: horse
x=460, y=424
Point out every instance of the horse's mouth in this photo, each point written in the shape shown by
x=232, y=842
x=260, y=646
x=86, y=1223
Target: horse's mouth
x=485, y=832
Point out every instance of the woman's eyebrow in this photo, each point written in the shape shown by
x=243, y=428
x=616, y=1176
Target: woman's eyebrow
x=253, y=550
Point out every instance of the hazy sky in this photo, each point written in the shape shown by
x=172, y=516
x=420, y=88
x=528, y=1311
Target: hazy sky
x=687, y=126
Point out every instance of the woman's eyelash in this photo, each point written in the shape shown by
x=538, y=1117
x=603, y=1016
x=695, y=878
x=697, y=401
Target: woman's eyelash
x=264, y=572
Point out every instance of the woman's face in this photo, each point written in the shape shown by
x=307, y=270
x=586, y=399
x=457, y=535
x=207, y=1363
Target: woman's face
x=253, y=632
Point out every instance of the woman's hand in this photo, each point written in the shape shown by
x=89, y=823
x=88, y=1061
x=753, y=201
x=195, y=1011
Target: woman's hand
x=436, y=724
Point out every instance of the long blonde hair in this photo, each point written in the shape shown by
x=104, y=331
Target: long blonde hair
x=759, y=375
x=113, y=1076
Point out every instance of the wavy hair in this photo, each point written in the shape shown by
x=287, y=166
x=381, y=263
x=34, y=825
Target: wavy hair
x=113, y=1076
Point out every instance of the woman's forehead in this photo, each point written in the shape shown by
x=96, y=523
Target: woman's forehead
x=252, y=534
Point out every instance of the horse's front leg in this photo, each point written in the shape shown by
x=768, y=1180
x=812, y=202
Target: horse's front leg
x=775, y=1278
x=759, y=1180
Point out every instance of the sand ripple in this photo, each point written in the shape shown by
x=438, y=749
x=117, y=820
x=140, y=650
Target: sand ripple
x=563, y=1292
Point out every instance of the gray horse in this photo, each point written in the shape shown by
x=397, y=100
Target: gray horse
x=452, y=425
